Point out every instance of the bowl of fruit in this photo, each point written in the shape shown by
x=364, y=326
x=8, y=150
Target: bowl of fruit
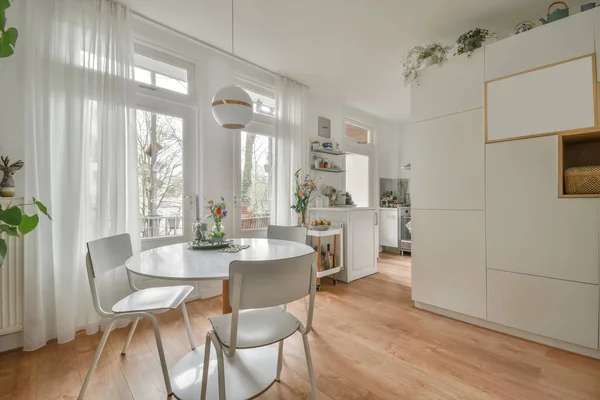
x=320, y=224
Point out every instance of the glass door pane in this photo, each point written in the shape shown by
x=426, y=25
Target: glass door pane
x=255, y=183
x=160, y=174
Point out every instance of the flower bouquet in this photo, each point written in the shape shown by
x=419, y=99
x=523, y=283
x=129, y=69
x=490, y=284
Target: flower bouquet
x=305, y=191
x=217, y=211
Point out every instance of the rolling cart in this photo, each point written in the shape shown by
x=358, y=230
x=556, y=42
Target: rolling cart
x=336, y=232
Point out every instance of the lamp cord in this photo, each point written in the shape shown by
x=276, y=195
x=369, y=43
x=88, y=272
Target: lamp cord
x=232, y=34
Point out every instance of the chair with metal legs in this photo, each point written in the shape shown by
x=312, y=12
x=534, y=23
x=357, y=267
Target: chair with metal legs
x=258, y=289
x=107, y=254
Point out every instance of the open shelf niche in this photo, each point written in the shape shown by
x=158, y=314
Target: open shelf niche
x=577, y=150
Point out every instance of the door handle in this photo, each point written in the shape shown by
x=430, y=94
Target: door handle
x=376, y=219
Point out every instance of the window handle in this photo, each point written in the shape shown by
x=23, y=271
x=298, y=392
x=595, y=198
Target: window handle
x=149, y=87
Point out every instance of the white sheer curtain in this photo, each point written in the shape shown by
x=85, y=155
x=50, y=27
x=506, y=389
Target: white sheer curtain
x=80, y=157
x=292, y=146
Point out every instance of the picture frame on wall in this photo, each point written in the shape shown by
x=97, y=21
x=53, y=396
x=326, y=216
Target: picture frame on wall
x=324, y=127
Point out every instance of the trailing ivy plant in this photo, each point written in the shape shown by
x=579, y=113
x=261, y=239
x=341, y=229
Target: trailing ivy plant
x=472, y=40
x=8, y=36
x=14, y=222
x=417, y=55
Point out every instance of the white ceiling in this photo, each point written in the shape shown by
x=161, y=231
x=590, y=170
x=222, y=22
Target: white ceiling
x=350, y=50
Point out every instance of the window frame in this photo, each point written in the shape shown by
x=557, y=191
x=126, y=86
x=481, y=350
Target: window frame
x=156, y=91
x=260, y=119
x=367, y=149
x=354, y=122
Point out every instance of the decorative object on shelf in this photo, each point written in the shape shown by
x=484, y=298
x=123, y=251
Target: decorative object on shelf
x=349, y=201
x=7, y=187
x=324, y=127
x=217, y=211
x=557, y=14
x=331, y=193
x=8, y=37
x=328, y=146
x=470, y=41
x=582, y=180
x=316, y=145
x=305, y=191
x=15, y=222
x=232, y=105
x=588, y=6
x=524, y=26
x=421, y=57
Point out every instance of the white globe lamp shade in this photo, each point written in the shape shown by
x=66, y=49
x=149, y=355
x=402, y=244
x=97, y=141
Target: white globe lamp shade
x=232, y=107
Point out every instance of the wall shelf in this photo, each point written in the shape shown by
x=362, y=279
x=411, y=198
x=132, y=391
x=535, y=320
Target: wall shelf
x=336, y=171
x=577, y=150
x=330, y=152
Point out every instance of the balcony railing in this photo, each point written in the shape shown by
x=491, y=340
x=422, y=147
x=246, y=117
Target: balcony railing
x=161, y=226
x=256, y=221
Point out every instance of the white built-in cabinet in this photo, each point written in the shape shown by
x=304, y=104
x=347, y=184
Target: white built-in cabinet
x=455, y=87
x=448, y=260
x=388, y=228
x=362, y=244
x=529, y=229
x=556, y=98
x=554, y=308
x=552, y=43
x=491, y=238
x=447, y=163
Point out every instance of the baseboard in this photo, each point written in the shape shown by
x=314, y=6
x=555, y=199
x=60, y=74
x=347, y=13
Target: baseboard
x=11, y=341
x=586, y=351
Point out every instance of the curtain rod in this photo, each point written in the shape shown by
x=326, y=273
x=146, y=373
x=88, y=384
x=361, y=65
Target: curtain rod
x=212, y=46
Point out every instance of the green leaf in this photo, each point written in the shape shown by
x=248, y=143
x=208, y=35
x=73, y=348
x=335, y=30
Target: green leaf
x=12, y=215
x=43, y=209
x=2, y=251
x=8, y=40
x=9, y=230
x=4, y=4
x=28, y=223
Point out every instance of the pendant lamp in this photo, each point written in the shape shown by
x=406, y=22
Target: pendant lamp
x=231, y=105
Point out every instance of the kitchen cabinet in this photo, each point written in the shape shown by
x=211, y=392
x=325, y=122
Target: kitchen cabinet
x=388, y=228
x=456, y=87
x=360, y=239
x=548, y=44
x=556, y=98
x=529, y=229
x=447, y=164
x=448, y=260
x=562, y=310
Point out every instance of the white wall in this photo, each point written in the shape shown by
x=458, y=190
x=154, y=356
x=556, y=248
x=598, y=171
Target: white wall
x=11, y=112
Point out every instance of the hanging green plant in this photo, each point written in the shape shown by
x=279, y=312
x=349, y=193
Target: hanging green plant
x=423, y=56
x=472, y=40
x=8, y=37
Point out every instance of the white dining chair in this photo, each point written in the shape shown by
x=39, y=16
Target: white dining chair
x=290, y=233
x=258, y=288
x=107, y=254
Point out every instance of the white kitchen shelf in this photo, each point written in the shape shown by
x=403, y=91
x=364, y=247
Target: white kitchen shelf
x=330, y=152
x=328, y=170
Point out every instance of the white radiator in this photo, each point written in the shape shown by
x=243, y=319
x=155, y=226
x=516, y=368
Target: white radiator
x=11, y=283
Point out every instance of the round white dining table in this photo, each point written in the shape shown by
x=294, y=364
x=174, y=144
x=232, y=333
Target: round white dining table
x=250, y=371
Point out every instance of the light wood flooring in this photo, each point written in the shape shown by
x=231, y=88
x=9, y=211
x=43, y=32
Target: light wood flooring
x=368, y=342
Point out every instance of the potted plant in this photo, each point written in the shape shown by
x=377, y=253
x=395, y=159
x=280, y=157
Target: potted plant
x=217, y=211
x=472, y=40
x=421, y=57
x=15, y=222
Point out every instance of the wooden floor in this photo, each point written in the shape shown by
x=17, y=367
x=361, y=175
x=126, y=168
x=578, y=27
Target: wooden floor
x=368, y=343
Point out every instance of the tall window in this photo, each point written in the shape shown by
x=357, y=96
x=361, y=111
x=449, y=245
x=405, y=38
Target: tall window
x=165, y=95
x=256, y=180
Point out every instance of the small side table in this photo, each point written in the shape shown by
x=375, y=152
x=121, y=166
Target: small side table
x=331, y=272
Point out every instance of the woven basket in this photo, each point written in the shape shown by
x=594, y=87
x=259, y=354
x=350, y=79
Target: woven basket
x=582, y=180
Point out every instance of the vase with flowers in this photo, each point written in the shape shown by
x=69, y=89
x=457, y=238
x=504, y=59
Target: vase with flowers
x=217, y=211
x=305, y=190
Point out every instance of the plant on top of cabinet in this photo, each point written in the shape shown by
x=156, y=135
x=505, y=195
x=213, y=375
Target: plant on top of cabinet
x=423, y=56
x=472, y=40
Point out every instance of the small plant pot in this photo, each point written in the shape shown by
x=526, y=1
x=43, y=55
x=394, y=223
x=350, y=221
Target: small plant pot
x=429, y=61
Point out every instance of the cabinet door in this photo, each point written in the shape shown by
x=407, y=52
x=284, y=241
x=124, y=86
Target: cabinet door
x=363, y=242
x=529, y=229
x=558, y=98
x=557, y=309
x=559, y=41
x=388, y=228
x=454, y=88
x=448, y=260
x=448, y=163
